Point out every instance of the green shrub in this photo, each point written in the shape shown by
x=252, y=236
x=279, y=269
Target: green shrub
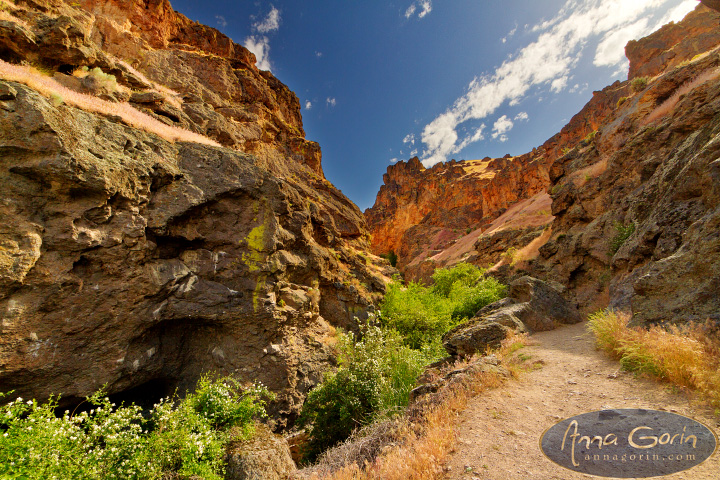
x=423, y=314
x=392, y=258
x=463, y=273
x=56, y=99
x=416, y=312
x=638, y=84
x=623, y=233
x=468, y=299
x=104, y=78
x=621, y=101
x=374, y=377
x=377, y=373
x=180, y=437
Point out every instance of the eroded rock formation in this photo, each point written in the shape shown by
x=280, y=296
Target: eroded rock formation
x=132, y=261
x=421, y=212
x=641, y=230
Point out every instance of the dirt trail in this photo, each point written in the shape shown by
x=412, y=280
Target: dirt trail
x=499, y=432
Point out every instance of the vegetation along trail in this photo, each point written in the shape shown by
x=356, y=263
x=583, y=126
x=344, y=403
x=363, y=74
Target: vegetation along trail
x=499, y=432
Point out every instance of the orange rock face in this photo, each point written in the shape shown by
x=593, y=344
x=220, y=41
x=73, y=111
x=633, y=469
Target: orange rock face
x=674, y=43
x=441, y=203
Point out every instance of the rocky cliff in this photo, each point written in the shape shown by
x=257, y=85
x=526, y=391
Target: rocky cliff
x=137, y=262
x=632, y=190
x=421, y=212
x=637, y=209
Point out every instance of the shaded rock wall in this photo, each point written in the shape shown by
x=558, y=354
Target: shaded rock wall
x=135, y=262
x=649, y=172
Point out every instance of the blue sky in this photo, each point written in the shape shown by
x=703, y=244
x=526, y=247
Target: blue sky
x=381, y=81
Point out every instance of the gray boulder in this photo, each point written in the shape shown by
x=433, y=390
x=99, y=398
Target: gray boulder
x=546, y=308
x=532, y=305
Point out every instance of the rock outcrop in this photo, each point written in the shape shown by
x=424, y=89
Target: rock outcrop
x=139, y=263
x=531, y=306
x=266, y=456
x=638, y=233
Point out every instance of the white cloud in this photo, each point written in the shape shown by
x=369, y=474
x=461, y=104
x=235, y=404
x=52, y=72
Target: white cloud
x=308, y=105
x=426, y=8
x=260, y=46
x=221, y=21
x=522, y=116
x=393, y=160
x=502, y=126
x=414, y=153
x=557, y=85
x=678, y=13
x=475, y=137
x=546, y=62
x=318, y=54
x=421, y=7
x=331, y=102
x=271, y=23
x=611, y=49
x=409, y=139
x=410, y=11
x=510, y=34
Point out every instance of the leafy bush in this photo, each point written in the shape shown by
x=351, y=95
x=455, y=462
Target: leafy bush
x=416, y=312
x=422, y=314
x=621, y=101
x=623, y=233
x=468, y=299
x=377, y=373
x=375, y=377
x=180, y=437
x=463, y=273
x=638, y=84
x=104, y=78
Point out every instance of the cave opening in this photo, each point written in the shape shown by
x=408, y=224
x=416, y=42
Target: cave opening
x=145, y=395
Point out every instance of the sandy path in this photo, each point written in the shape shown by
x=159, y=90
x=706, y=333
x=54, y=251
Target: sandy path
x=498, y=433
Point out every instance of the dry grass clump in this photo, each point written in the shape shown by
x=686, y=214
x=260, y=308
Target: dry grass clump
x=60, y=94
x=688, y=357
x=668, y=105
x=397, y=449
x=7, y=10
x=171, y=96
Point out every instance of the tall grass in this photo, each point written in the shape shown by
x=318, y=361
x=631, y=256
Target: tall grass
x=133, y=117
x=688, y=357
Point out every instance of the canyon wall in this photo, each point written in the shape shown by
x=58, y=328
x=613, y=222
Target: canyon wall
x=139, y=263
x=631, y=189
